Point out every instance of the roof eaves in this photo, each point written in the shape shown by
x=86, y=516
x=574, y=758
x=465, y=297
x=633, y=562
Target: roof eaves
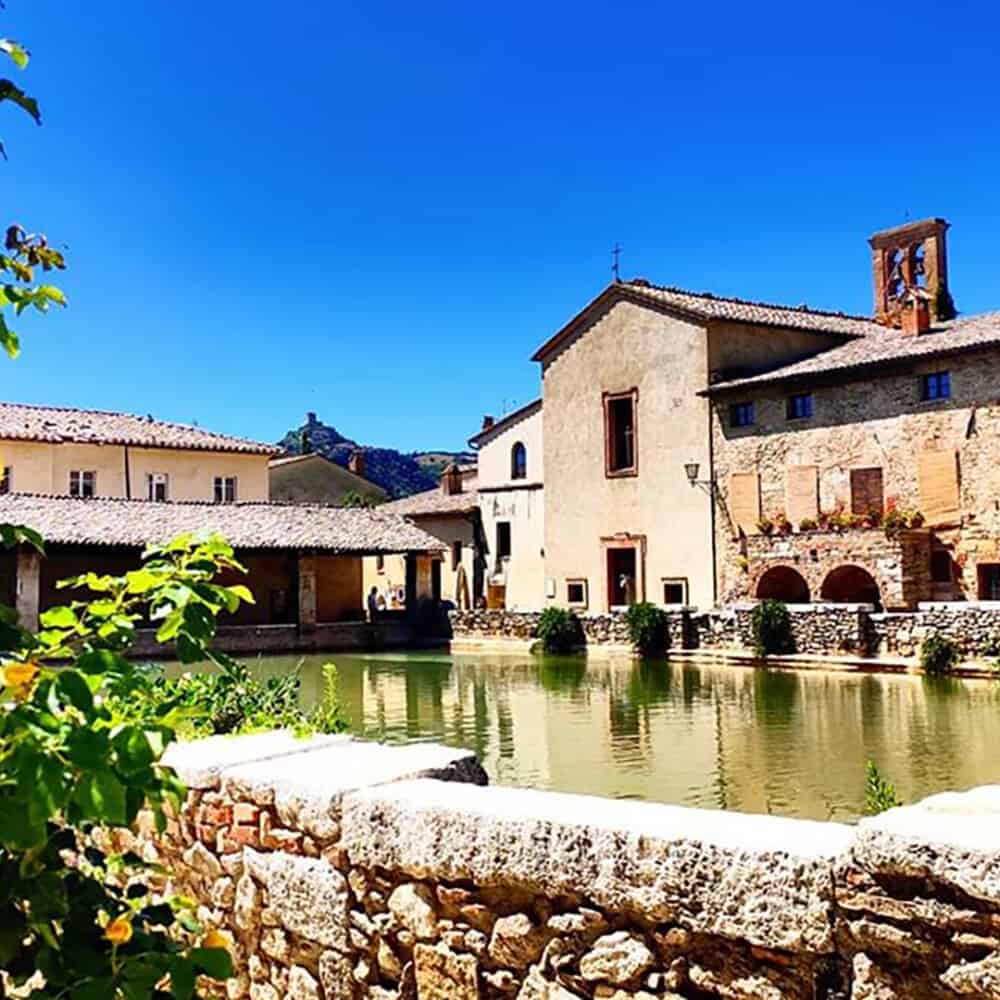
x=504, y=422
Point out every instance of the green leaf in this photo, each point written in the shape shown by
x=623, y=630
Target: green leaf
x=87, y=748
x=214, y=962
x=100, y=796
x=242, y=592
x=9, y=91
x=133, y=749
x=17, y=52
x=74, y=688
x=182, y=978
x=8, y=339
x=103, y=661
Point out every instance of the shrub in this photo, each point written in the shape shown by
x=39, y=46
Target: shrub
x=647, y=627
x=765, y=526
x=772, y=628
x=559, y=630
x=808, y=524
x=781, y=523
x=939, y=654
x=880, y=794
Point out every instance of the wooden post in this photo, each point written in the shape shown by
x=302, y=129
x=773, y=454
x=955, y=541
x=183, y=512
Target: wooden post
x=307, y=591
x=29, y=579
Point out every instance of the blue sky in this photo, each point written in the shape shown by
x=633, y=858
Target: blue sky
x=377, y=210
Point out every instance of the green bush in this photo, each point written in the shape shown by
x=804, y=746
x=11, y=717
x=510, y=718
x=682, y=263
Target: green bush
x=880, y=794
x=327, y=717
x=647, y=627
x=939, y=654
x=559, y=630
x=772, y=628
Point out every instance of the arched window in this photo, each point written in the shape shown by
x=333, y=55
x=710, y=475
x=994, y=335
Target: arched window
x=518, y=461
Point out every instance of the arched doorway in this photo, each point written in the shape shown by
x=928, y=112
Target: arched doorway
x=782, y=583
x=850, y=585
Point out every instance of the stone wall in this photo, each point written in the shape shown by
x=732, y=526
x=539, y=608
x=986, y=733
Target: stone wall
x=816, y=628
x=974, y=626
x=345, y=871
x=598, y=629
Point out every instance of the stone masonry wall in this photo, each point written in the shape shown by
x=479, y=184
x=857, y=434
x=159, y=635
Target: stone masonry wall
x=598, y=629
x=974, y=626
x=345, y=870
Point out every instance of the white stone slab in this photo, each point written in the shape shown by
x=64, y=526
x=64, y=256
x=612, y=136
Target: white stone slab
x=953, y=838
x=764, y=879
x=200, y=762
x=306, y=789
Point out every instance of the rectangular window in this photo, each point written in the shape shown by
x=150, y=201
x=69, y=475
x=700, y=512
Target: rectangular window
x=456, y=555
x=225, y=489
x=82, y=484
x=742, y=415
x=156, y=486
x=7, y=479
x=675, y=591
x=867, y=496
x=989, y=581
x=620, y=433
x=503, y=539
x=941, y=566
x=576, y=593
x=936, y=385
x=799, y=406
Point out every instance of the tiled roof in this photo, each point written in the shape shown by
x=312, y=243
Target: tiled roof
x=98, y=521
x=433, y=502
x=706, y=306
x=885, y=347
x=20, y=422
x=522, y=413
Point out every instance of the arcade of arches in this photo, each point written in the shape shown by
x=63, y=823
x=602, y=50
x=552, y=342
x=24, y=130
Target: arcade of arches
x=842, y=585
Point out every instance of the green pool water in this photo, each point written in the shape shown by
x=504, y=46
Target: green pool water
x=727, y=737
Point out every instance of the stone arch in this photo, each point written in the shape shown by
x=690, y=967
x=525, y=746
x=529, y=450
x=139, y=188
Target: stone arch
x=783, y=583
x=850, y=584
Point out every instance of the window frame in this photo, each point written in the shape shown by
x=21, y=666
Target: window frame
x=221, y=488
x=510, y=539
x=518, y=470
x=791, y=407
x=78, y=483
x=675, y=581
x=608, y=400
x=747, y=406
x=456, y=555
x=154, y=479
x=578, y=581
x=937, y=379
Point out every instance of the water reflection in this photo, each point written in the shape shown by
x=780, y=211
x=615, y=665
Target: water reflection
x=725, y=737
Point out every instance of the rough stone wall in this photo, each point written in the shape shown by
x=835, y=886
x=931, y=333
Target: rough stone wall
x=598, y=630
x=875, y=423
x=975, y=627
x=346, y=871
x=899, y=564
x=816, y=628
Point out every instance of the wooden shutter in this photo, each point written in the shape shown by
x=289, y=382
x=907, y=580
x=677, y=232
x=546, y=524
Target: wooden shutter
x=938, y=471
x=801, y=492
x=744, y=500
x=867, y=493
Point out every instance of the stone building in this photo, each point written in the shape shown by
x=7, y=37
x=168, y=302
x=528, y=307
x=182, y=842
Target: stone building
x=450, y=514
x=512, y=506
x=813, y=457
x=700, y=449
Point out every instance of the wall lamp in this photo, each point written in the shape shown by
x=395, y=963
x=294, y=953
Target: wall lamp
x=691, y=470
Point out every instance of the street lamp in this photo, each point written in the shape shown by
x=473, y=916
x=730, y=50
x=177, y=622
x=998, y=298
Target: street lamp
x=691, y=470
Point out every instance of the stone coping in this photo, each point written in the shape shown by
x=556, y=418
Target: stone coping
x=959, y=606
x=801, y=608
x=765, y=879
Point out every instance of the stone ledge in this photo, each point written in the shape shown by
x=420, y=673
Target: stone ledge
x=762, y=879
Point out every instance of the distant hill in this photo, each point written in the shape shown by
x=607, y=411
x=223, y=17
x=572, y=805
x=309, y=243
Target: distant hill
x=397, y=473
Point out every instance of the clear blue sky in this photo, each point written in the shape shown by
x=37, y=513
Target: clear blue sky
x=378, y=210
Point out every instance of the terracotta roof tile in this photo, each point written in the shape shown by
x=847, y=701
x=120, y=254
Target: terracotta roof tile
x=886, y=346
x=21, y=422
x=99, y=521
x=432, y=502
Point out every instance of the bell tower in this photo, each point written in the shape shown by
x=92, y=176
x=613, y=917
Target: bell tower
x=907, y=261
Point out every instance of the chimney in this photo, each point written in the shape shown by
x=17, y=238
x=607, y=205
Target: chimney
x=451, y=480
x=356, y=463
x=911, y=259
x=488, y=422
x=915, y=315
